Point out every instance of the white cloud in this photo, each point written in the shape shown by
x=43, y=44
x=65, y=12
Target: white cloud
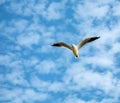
x=21, y=95
x=90, y=9
x=48, y=86
x=39, y=84
x=7, y=95
x=115, y=48
x=20, y=25
x=13, y=28
x=14, y=73
x=46, y=66
x=4, y=59
x=77, y=77
x=75, y=99
x=54, y=11
x=57, y=87
x=103, y=2
x=28, y=39
x=31, y=95
x=116, y=8
x=16, y=77
x=10, y=60
x=100, y=60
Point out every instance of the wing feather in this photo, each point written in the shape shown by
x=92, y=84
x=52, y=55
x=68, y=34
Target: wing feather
x=87, y=40
x=62, y=44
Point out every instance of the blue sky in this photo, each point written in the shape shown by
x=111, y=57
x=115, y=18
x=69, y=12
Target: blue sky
x=32, y=71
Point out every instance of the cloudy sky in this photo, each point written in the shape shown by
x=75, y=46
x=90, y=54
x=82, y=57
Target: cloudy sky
x=32, y=71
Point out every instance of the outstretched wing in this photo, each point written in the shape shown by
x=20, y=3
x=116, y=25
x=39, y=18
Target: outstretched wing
x=62, y=44
x=87, y=40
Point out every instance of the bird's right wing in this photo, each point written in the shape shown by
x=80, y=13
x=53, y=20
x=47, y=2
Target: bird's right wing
x=62, y=44
x=87, y=40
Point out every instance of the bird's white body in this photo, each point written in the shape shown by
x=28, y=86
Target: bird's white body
x=75, y=50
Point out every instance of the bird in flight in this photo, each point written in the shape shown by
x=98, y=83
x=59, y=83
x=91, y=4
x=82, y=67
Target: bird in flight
x=75, y=48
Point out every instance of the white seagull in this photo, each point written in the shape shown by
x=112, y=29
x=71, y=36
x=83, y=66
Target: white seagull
x=75, y=48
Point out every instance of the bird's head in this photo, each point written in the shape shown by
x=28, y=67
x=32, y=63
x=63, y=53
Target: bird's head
x=73, y=45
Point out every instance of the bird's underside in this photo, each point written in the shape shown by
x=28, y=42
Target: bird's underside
x=75, y=48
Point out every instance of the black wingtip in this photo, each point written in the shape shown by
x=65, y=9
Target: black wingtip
x=93, y=38
x=55, y=45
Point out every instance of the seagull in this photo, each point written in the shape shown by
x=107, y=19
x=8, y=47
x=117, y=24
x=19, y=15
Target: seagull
x=75, y=48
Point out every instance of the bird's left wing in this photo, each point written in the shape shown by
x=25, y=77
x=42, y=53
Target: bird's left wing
x=62, y=44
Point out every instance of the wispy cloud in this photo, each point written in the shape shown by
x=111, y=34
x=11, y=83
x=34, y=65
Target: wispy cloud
x=46, y=66
x=27, y=95
x=52, y=11
x=28, y=39
x=95, y=10
x=82, y=78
